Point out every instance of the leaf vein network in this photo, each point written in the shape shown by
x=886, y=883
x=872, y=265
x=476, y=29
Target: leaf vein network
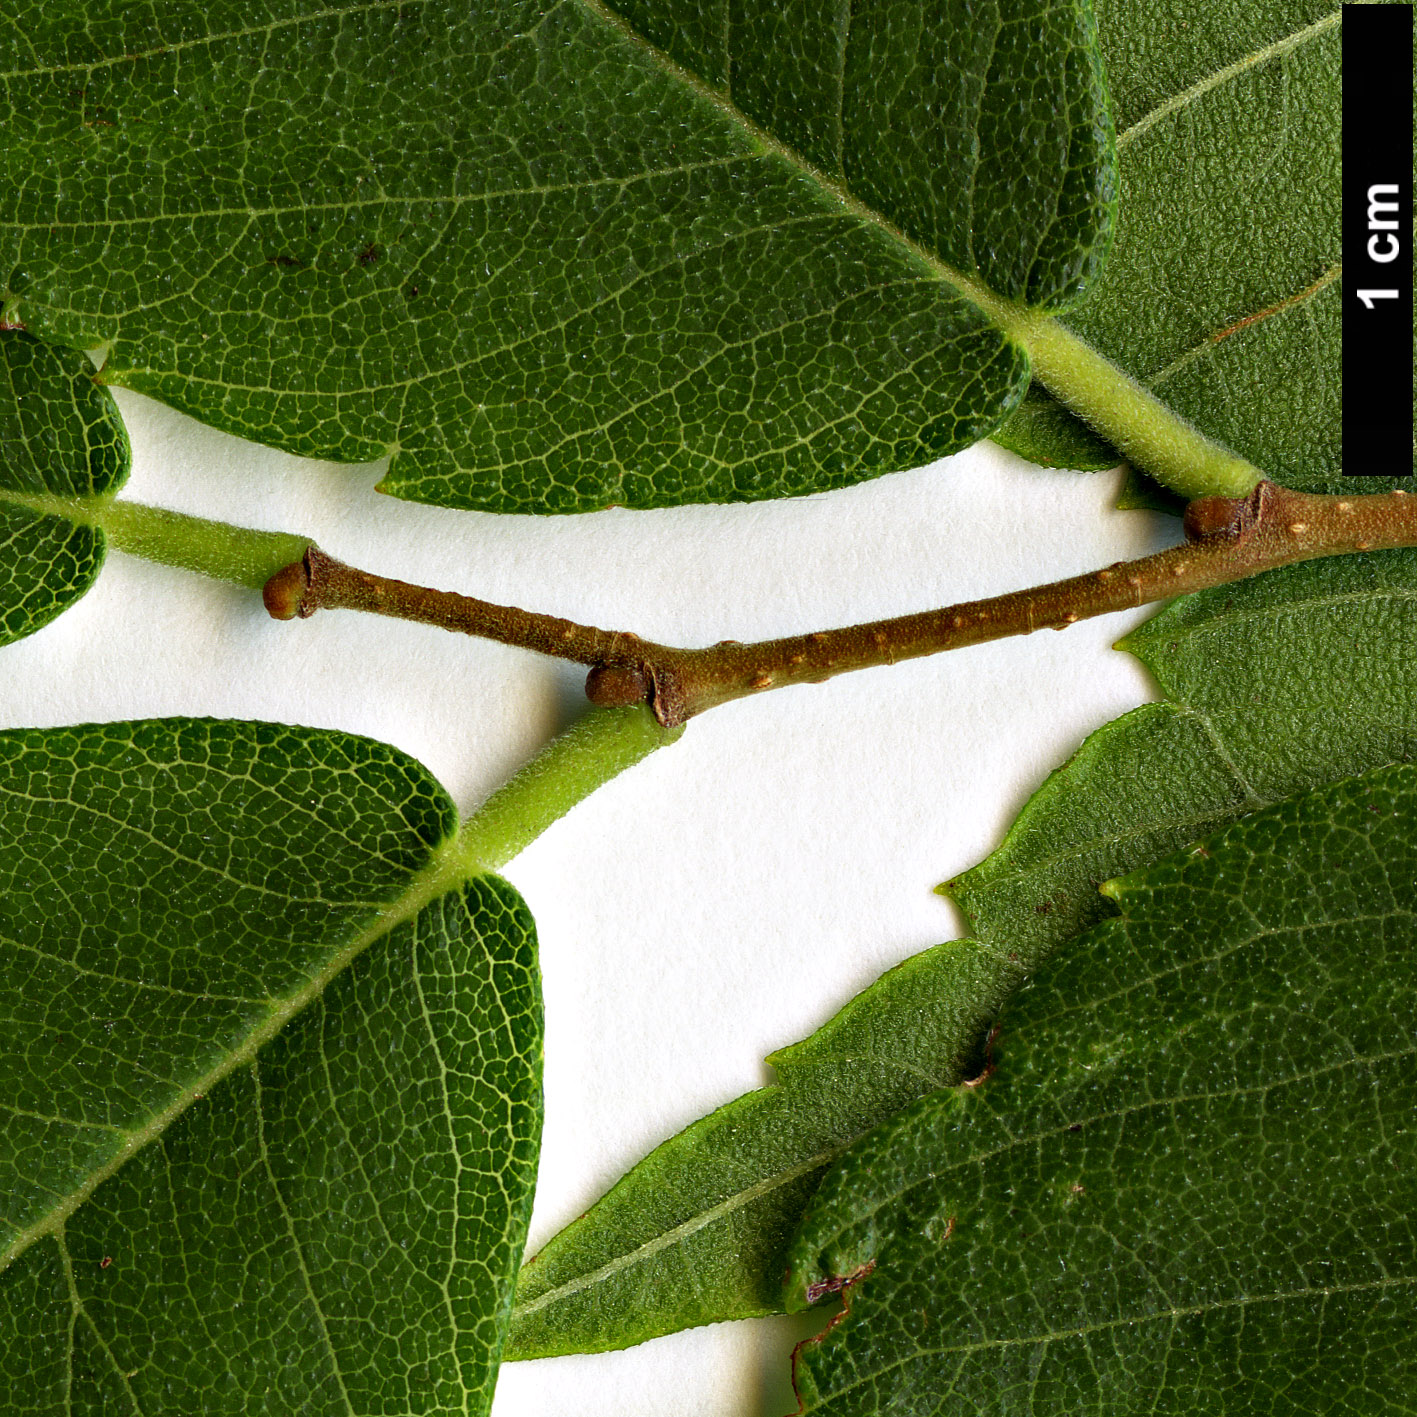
x=366, y=7
x=1253, y=60
x=293, y=1237
x=1083, y=1330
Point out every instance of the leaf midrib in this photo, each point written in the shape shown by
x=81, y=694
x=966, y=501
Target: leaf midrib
x=1000, y=307
x=651, y=1247
x=1073, y=369
x=448, y=868
x=1004, y=311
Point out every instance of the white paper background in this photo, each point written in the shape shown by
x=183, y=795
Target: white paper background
x=724, y=897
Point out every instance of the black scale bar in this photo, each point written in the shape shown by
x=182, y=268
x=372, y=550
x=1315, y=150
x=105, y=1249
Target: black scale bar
x=1377, y=240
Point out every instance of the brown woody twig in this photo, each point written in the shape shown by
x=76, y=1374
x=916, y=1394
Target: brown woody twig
x=1227, y=539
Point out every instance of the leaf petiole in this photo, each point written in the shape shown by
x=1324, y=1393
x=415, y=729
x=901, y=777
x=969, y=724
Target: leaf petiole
x=225, y=552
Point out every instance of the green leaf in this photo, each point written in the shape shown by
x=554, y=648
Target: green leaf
x=697, y=1231
x=554, y=258
x=63, y=454
x=1276, y=684
x=60, y=437
x=1222, y=292
x=271, y=1083
x=1189, y=1185
x=1140, y=493
x=1280, y=683
x=1043, y=431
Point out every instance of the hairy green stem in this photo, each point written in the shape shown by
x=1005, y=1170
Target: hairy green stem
x=592, y=751
x=210, y=548
x=1148, y=433
x=597, y=748
x=1151, y=435
x=1228, y=539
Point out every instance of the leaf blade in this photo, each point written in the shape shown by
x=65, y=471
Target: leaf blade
x=665, y=258
x=1237, y=1023
x=60, y=436
x=375, y=1139
x=1222, y=292
x=1274, y=684
x=697, y=1231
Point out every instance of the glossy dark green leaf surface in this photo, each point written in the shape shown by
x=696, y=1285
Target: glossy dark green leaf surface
x=270, y=1085
x=555, y=257
x=1276, y=684
x=1188, y=1186
x=60, y=436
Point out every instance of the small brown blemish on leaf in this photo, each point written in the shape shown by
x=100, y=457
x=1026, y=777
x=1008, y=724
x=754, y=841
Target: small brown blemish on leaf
x=105, y=1262
x=835, y=1283
x=369, y=256
x=286, y=263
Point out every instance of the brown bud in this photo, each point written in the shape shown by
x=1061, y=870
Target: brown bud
x=1209, y=517
x=616, y=685
x=284, y=593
